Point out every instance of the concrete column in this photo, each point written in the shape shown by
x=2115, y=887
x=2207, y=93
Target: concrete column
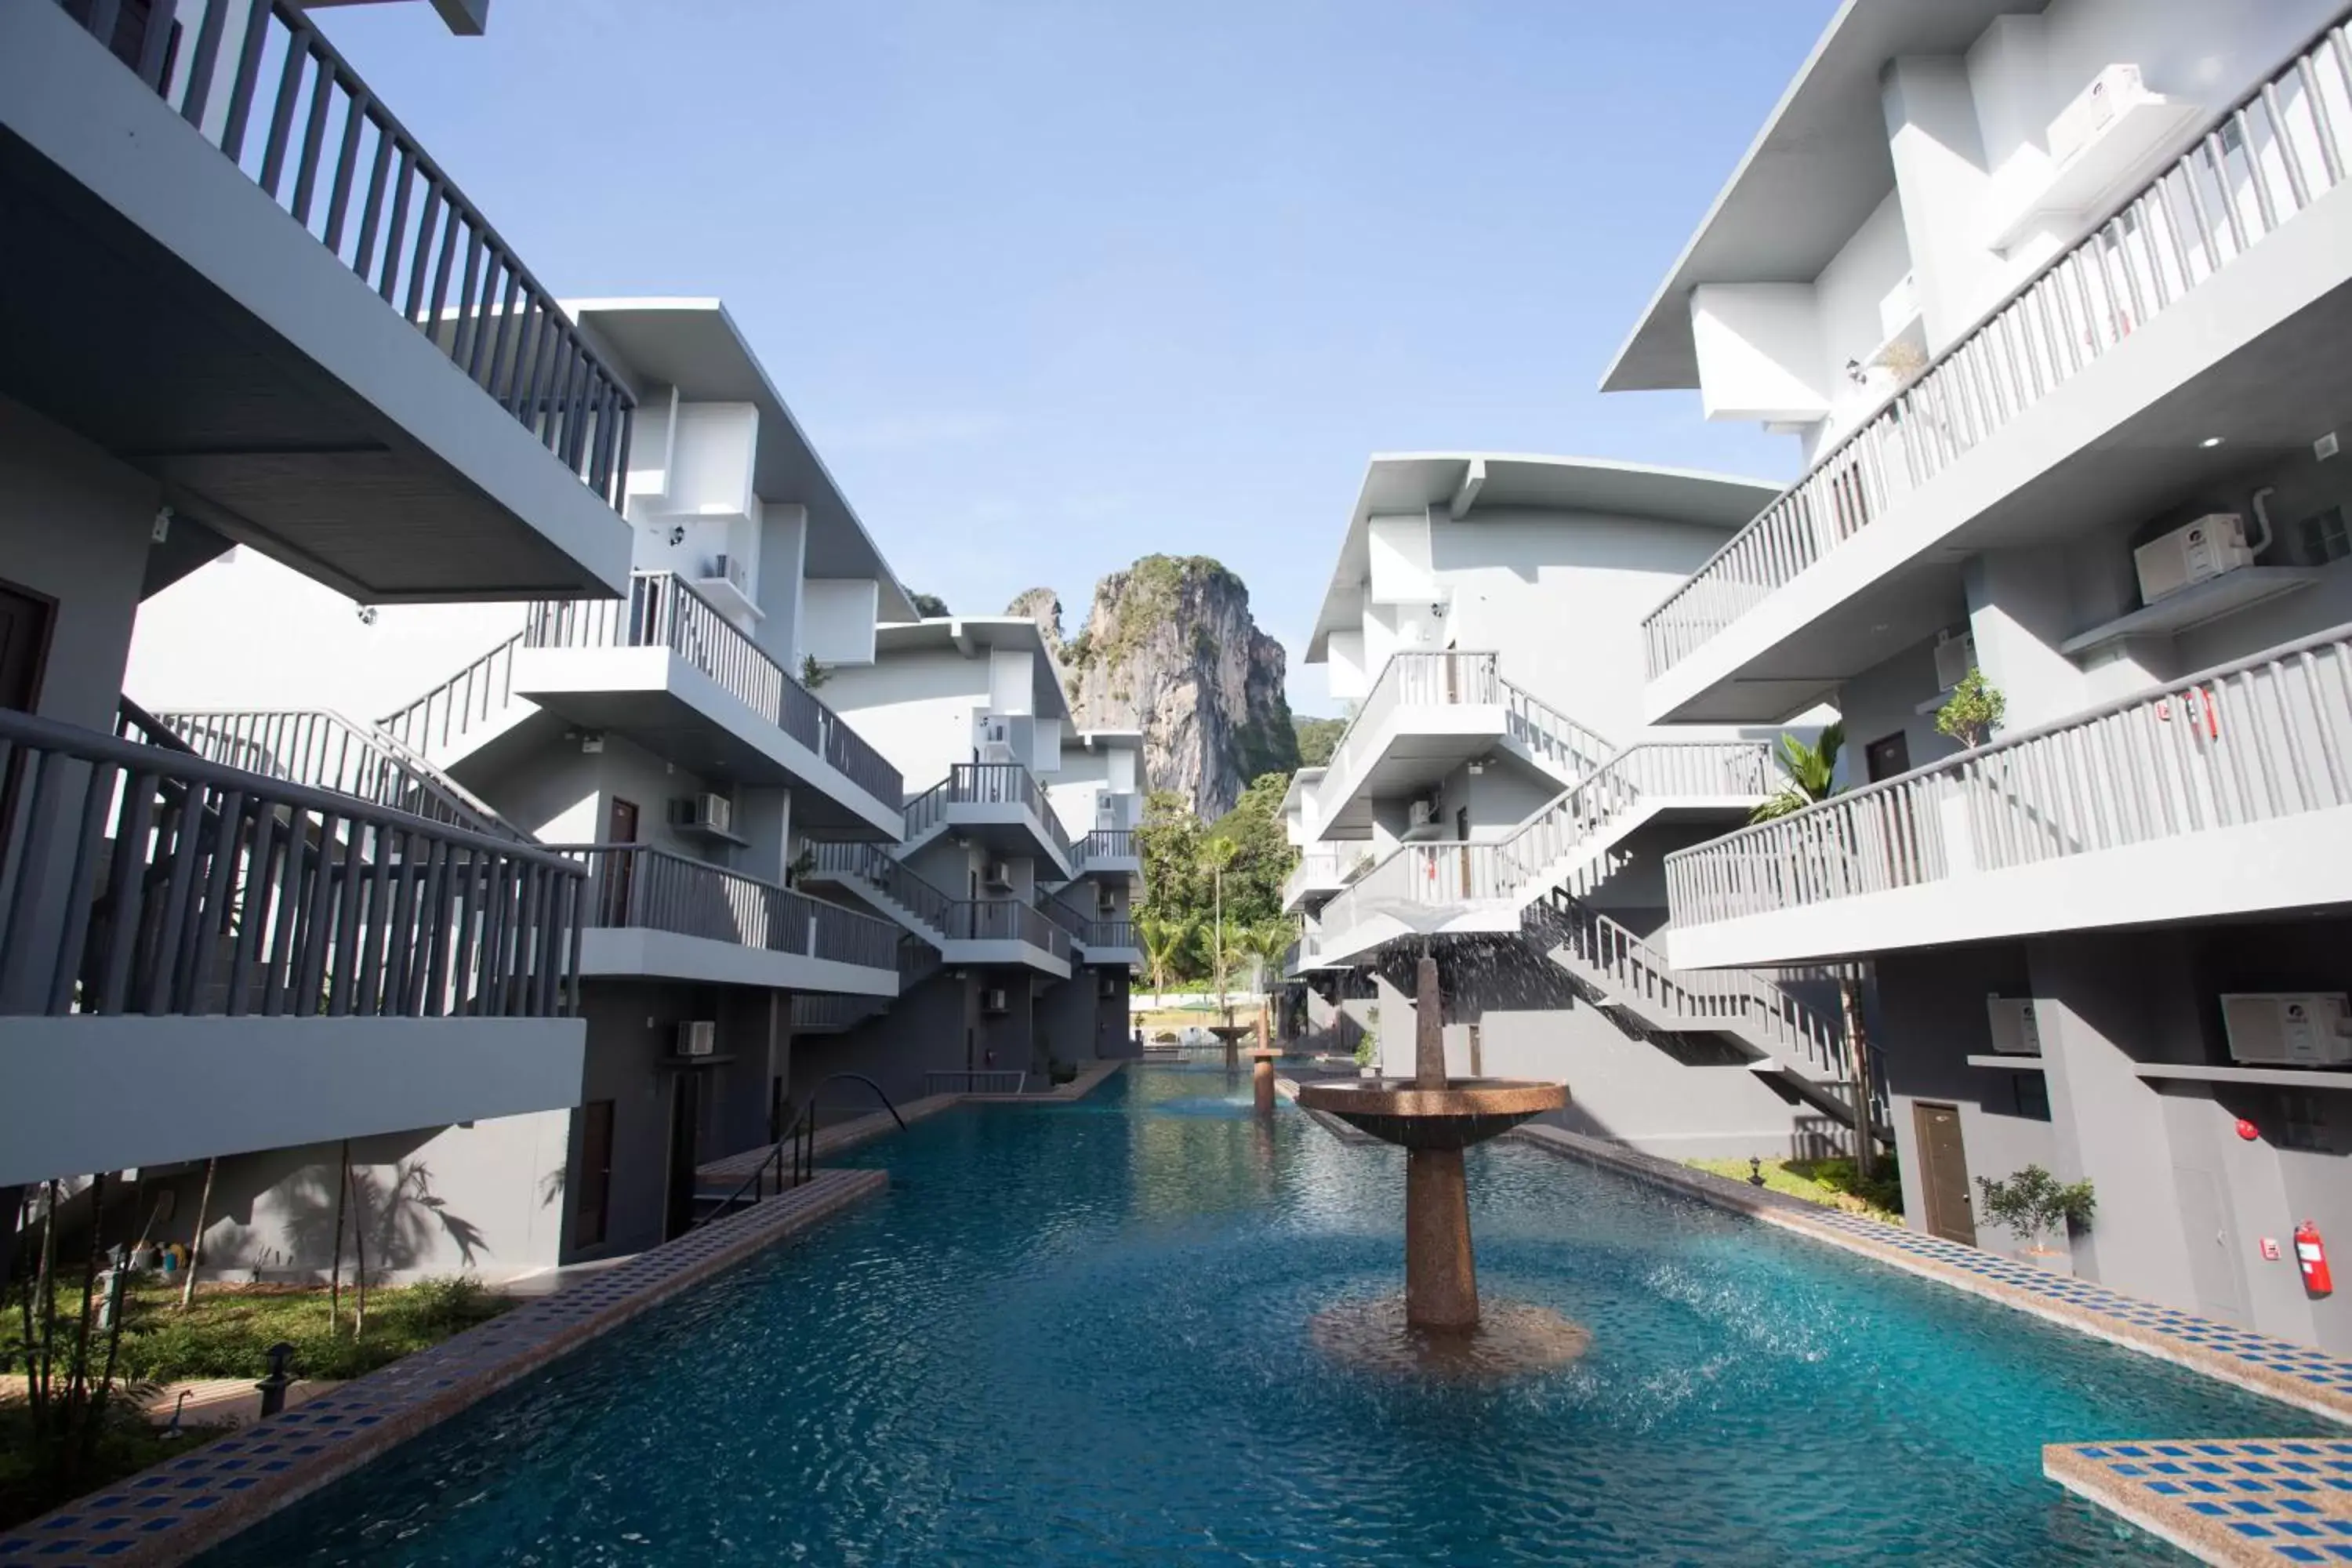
x=1940, y=176
x=2019, y=609
x=784, y=553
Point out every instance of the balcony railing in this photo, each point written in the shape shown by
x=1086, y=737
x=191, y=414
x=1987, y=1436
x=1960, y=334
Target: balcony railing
x=327, y=750
x=2258, y=166
x=334, y=159
x=477, y=693
x=938, y=918
x=1107, y=844
x=1556, y=841
x=1005, y=919
x=664, y=610
x=145, y=880
x=986, y=783
x=1319, y=866
x=1454, y=680
x=636, y=885
x=2258, y=741
x=1110, y=933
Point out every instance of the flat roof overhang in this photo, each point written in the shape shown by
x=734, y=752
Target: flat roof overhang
x=1009, y=829
x=2254, y=355
x=1009, y=953
x=640, y=953
x=1815, y=173
x=1419, y=747
x=674, y=710
x=157, y=302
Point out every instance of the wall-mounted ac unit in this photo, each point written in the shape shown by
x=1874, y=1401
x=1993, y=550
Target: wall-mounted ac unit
x=1954, y=657
x=2207, y=548
x=996, y=874
x=707, y=812
x=697, y=1038
x=2094, y=108
x=2296, y=1028
x=734, y=571
x=2014, y=1032
x=993, y=1000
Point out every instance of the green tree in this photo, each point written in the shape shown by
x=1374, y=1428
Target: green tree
x=1164, y=943
x=1974, y=711
x=1808, y=773
x=930, y=605
x=1317, y=738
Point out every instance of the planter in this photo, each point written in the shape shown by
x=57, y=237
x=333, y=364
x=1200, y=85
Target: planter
x=1367, y=1072
x=2058, y=1260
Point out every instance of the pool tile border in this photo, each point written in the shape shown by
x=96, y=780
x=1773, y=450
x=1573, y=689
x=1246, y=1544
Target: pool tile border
x=2277, y=1368
x=168, y=1514
x=2264, y=1502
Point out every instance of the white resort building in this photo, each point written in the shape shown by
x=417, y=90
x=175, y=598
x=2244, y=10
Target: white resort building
x=2053, y=300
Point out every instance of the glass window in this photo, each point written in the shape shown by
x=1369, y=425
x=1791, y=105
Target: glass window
x=2324, y=538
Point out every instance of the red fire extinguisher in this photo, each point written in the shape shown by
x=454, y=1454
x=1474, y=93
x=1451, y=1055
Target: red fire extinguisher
x=2311, y=1256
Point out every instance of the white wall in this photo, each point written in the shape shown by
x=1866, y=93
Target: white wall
x=1863, y=300
x=1398, y=548
x=1009, y=690
x=916, y=709
x=1346, y=675
x=1758, y=347
x=838, y=615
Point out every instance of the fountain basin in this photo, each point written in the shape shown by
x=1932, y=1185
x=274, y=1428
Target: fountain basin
x=1466, y=1111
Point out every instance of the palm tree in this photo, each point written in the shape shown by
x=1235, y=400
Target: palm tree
x=1267, y=942
x=1164, y=940
x=1216, y=854
x=1810, y=774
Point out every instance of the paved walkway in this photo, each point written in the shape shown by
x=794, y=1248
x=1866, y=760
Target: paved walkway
x=2244, y=1500
x=171, y=1513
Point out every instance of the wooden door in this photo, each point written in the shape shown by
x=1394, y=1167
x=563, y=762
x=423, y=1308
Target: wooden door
x=595, y=1195
x=1944, y=1171
x=619, y=828
x=1887, y=756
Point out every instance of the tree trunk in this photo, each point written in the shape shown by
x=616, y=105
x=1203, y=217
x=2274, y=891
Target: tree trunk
x=358, y=1256
x=1865, y=1144
x=335, y=1270
x=196, y=1237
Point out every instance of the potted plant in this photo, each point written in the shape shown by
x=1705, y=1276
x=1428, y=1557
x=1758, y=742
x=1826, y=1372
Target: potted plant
x=1368, y=1047
x=2034, y=1204
x=1973, y=712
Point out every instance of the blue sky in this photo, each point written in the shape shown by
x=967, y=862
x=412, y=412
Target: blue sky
x=1054, y=285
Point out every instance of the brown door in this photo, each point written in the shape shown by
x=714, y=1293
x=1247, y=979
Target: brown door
x=588, y=1213
x=619, y=828
x=685, y=1152
x=1887, y=756
x=24, y=646
x=1944, y=1171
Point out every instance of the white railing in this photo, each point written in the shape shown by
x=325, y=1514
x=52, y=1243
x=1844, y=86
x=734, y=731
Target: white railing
x=475, y=694
x=326, y=751
x=1320, y=866
x=1554, y=842
x=2263, y=739
x=1412, y=680
x=1572, y=750
x=2256, y=168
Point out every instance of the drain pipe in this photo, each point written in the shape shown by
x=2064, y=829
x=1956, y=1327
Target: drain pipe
x=2262, y=520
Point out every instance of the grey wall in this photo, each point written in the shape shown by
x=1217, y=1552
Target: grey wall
x=924, y=1031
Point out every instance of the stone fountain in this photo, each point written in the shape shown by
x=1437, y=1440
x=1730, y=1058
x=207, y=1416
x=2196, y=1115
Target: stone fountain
x=1232, y=1034
x=1435, y=1118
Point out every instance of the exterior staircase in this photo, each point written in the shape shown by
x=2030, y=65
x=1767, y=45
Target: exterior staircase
x=1549, y=738
x=820, y=1012
x=875, y=876
x=1632, y=980
x=470, y=709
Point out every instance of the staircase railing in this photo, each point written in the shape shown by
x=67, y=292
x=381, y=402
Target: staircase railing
x=2261, y=163
x=637, y=884
x=1572, y=750
x=888, y=874
x=145, y=880
x=1629, y=968
x=986, y=783
x=320, y=748
x=665, y=610
x=789, y=1161
x=337, y=162
x=475, y=694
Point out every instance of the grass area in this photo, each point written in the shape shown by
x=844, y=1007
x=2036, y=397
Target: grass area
x=229, y=1330
x=1830, y=1183
x=126, y=1445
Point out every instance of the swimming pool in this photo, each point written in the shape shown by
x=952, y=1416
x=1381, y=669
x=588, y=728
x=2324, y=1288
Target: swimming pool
x=1079, y=1335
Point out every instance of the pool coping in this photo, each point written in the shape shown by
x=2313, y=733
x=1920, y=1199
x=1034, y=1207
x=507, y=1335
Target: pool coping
x=2261, y=1502
x=186, y=1505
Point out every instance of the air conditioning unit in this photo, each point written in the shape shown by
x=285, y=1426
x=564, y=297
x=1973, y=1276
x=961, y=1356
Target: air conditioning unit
x=993, y=1000
x=2213, y=544
x=2296, y=1028
x=698, y=1038
x=734, y=571
x=710, y=813
x=2094, y=108
x=996, y=874
x=2014, y=1032
x=1954, y=657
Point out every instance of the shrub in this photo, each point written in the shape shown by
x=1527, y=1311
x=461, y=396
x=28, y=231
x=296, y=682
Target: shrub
x=1973, y=712
x=2032, y=1202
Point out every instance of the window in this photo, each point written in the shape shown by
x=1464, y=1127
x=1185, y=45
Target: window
x=2324, y=538
x=2032, y=1096
x=2307, y=1120
x=595, y=1174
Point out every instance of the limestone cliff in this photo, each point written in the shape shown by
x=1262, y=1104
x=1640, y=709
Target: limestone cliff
x=1169, y=649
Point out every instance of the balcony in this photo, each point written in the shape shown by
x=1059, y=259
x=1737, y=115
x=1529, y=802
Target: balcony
x=654, y=914
x=2223, y=795
x=965, y=932
x=1428, y=714
x=1001, y=805
x=1322, y=870
x=664, y=669
x=2089, y=398
x=1484, y=888
x=230, y=265
x=1096, y=940
x=199, y=960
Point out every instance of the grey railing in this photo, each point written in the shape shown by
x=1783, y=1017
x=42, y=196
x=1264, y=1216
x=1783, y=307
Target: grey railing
x=2257, y=741
x=334, y=159
x=2256, y=167
x=636, y=885
x=664, y=610
x=326, y=751
x=986, y=783
x=1110, y=933
x=477, y=693
x=143, y=879
x=1107, y=843
x=1558, y=839
x=942, y=919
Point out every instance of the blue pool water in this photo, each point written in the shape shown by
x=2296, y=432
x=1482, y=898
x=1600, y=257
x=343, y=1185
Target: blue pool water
x=1079, y=1336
